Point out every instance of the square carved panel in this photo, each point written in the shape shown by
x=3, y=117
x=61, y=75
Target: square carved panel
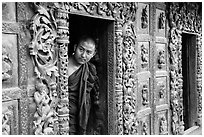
x=9, y=61
x=10, y=118
x=145, y=125
x=143, y=21
x=162, y=123
x=144, y=56
x=161, y=91
x=161, y=56
x=160, y=23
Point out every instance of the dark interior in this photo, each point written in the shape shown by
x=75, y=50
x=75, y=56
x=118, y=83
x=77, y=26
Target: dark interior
x=189, y=79
x=97, y=29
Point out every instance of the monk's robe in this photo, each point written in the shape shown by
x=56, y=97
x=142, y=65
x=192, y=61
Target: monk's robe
x=83, y=97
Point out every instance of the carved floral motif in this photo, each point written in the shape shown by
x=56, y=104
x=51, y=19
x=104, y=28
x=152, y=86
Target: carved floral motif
x=43, y=52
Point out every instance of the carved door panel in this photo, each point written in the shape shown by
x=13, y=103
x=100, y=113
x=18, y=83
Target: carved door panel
x=14, y=100
x=153, y=90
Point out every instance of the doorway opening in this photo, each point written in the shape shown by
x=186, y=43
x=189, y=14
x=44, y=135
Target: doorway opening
x=102, y=31
x=189, y=80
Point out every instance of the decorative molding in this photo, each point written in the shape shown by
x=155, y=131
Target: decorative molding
x=43, y=52
x=183, y=17
x=62, y=18
x=199, y=78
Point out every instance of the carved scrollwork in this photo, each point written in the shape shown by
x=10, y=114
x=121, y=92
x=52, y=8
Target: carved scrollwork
x=129, y=56
x=43, y=52
x=182, y=17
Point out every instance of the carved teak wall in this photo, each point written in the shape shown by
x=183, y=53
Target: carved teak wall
x=144, y=64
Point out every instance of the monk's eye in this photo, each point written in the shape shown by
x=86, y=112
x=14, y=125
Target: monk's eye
x=81, y=49
x=89, y=52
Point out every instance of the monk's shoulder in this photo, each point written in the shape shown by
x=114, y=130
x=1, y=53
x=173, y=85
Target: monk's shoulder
x=92, y=68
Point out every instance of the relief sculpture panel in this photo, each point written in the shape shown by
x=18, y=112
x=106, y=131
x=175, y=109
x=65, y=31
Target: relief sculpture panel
x=9, y=61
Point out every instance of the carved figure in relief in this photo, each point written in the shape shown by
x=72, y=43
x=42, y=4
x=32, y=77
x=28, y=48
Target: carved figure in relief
x=6, y=64
x=145, y=95
x=83, y=87
x=144, y=128
x=144, y=56
x=42, y=99
x=144, y=18
x=162, y=20
x=163, y=125
x=161, y=59
x=162, y=91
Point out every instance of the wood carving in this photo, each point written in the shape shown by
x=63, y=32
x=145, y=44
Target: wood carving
x=182, y=17
x=162, y=20
x=145, y=100
x=144, y=56
x=144, y=18
x=43, y=52
x=6, y=64
x=144, y=128
x=6, y=115
x=161, y=59
x=163, y=127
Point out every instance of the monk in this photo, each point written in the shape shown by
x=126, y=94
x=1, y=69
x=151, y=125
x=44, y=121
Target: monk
x=83, y=87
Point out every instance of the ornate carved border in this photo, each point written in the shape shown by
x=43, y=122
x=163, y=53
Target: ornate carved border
x=183, y=17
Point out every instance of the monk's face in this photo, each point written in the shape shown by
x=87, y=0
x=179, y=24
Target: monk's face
x=84, y=52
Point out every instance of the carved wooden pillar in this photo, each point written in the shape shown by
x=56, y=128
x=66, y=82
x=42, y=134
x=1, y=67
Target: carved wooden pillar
x=62, y=18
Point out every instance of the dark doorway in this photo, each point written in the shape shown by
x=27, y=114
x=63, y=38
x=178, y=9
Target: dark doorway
x=189, y=79
x=100, y=30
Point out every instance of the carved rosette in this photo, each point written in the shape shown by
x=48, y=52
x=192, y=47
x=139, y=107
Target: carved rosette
x=43, y=52
x=182, y=17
